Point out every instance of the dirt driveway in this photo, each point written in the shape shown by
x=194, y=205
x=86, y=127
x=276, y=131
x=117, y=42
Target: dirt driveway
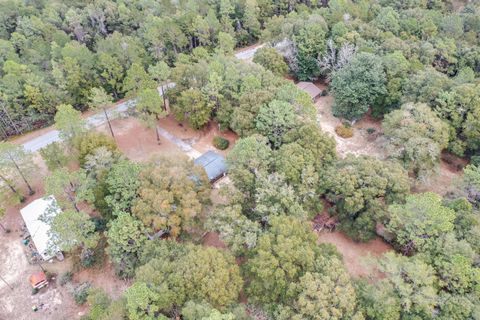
x=140, y=144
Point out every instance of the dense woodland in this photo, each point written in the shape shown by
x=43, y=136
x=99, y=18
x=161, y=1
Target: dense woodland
x=55, y=52
x=415, y=65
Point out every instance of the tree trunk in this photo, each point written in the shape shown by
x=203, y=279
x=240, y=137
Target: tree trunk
x=108, y=121
x=59, y=163
x=158, y=135
x=156, y=235
x=72, y=198
x=28, y=124
x=30, y=190
x=12, y=188
x=163, y=97
x=5, y=133
x=10, y=119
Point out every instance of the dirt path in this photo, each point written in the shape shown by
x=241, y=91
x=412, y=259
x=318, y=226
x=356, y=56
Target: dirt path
x=355, y=254
x=247, y=53
x=200, y=140
x=185, y=147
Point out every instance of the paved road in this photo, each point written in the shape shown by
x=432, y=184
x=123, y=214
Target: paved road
x=248, y=53
x=95, y=120
x=98, y=119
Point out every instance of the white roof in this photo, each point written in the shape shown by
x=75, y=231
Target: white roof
x=39, y=230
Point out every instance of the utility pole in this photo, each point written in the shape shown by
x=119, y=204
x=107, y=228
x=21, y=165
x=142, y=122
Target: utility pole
x=108, y=121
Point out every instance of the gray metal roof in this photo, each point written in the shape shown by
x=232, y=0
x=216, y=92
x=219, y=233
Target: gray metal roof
x=214, y=164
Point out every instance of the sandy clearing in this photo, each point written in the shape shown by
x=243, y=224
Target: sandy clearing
x=355, y=254
x=362, y=143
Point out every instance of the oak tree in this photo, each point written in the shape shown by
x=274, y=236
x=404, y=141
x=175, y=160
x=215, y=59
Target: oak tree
x=172, y=193
x=357, y=86
x=360, y=188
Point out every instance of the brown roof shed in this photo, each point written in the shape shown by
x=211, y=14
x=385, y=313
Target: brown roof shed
x=38, y=280
x=313, y=91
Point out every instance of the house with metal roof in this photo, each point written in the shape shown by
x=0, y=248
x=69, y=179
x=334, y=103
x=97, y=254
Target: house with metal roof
x=214, y=164
x=34, y=217
x=313, y=91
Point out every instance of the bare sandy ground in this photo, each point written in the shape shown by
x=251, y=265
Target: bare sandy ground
x=356, y=255
x=362, y=143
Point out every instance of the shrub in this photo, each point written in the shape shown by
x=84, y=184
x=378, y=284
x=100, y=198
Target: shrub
x=99, y=302
x=371, y=130
x=80, y=293
x=100, y=224
x=344, y=131
x=87, y=259
x=475, y=160
x=65, y=277
x=88, y=143
x=220, y=143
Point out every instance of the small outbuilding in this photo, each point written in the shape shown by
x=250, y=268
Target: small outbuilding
x=214, y=164
x=313, y=91
x=33, y=215
x=38, y=280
